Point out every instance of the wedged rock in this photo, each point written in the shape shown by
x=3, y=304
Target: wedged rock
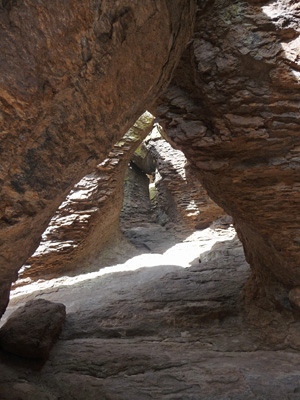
x=233, y=109
x=74, y=79
x=33, y=328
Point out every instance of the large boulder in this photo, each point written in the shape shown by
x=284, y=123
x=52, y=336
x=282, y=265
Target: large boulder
x=74, y=78
x=32, y=329
x=233, y=108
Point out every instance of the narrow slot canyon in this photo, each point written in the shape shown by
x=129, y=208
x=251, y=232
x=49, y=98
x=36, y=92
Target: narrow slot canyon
x=149, y=254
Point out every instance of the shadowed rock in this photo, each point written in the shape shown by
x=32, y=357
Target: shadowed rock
x=87, y=222
x=178, y=193
x=74, y=78
x=233, y=109
x=33, y=328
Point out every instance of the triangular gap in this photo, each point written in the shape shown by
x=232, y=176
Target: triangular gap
x=92, y=208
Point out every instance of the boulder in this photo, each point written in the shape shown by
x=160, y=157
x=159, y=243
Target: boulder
x=33, y=328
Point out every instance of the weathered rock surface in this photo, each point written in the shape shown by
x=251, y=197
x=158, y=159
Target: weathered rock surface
x=33, y=328
x=178, y=193
x=173, y=331
x=233, y=109
x=84, y=231
x=160, y=187
x=87, y=222
x=74, y=78
x=137, y=208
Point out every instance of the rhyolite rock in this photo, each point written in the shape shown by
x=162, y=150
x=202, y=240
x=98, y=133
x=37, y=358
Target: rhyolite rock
x=87, y=222
x=137, y=207
x=33, y=328
x=84, y=233
x=233, y=109
x=294, y=297
x=74, y=78
x=178, y=194
x=162, y=333
x=159, y=186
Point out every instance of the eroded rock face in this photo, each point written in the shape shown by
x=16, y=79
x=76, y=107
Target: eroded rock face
x=33, y=328
x=233, y=108
x=84, y=232
x=74, y=78
x=179, y=194
x=136, y=208
x=88, y=220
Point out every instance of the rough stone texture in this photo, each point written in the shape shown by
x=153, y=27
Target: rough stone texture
x=294, y=297
x=173, y=331
x=136, y=208
x=33, y=328
x=84, y=231
x=74, y=78
x=179, y=196
x=233, y=109
x=87, y=222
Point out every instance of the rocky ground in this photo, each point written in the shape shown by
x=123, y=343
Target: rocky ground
x=164, y=324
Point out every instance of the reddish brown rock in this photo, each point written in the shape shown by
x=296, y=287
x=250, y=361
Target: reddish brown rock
x=74, y=78
x=33, y=328
x=233, y=108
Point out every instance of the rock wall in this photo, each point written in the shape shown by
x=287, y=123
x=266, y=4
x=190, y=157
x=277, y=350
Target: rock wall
x=233, y=109
x=88, y=220
x=179, y=197
x=74, y=78
x=136, y=206
x=85, y=230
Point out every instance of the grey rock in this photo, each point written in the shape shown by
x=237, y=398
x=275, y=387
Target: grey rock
x=33, y=328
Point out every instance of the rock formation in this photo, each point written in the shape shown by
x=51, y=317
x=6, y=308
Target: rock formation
x=74, y=78
x=88, y=220
x=178, y=194
x=84, y=233
x=161, y=333
x=233, y=109
x=137, y=208
x=33, y=328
